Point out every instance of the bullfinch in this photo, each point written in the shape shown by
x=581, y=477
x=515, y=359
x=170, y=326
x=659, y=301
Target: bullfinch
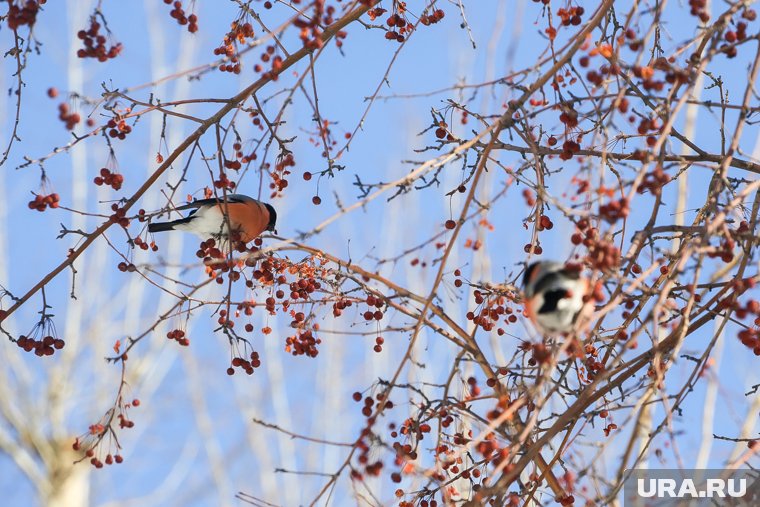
x=247, y=217
x=554, y=296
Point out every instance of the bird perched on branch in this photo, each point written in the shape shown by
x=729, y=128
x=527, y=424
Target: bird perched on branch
x=555, y=296
x=246, y=216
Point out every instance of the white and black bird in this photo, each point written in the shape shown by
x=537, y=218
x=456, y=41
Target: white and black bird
x=246, y=216
x=554, y=296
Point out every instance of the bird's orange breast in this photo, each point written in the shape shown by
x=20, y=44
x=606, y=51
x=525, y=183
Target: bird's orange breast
x=248, y=219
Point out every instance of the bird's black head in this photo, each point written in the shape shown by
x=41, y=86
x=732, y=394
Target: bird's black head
x=530, y=274
x=272, y=218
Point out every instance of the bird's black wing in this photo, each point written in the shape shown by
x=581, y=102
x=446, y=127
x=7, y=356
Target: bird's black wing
x=552, y=299
x=199, y=203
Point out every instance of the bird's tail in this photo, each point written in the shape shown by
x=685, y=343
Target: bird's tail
x=160, y=226
x=168, y=226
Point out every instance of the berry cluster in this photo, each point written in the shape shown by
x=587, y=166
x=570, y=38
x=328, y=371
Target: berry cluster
x=725, y=250
x=90, y=441
x=41, y=202
x=374, y=468
x=571, y=15
x=142, y=245
x=233, y=164
x=488, y=448
x=607, y=430
x=117, y=127
x=570, y=148
x=23, y=14
x=69, y=118
x=491, y=382
x=399, y=26
x=569, y=117
x=585, y=234
x=491, y=312
x=597, y=78
x=732, y=37
x=615, y=210
x=530, y=199
x=374, y=311
x=241, y=157
x=433, y=18
x=276, y=64
x=179, y=335
x=244, y=364
x=273, y=273
x=224, y=321
x=540, y=353
x=376, y=13
x=341, y=305
x=209, y=252
x=653, y=181
x=95, y=43
x=303, y=343
x=750, y=337
x=43, y=347
x=646, y=74
x=457, y=281
x=114, y=180
x=90, y=453
x=224, y=182
x=281, y=172
x=256, y=119
x=178, y=13
x=119, y=216
x=544, y=223
x=124, y=422
x=593, y=365
x=126, y=267
x=699, y=9
x=310, y=27
x=238, y=34
x=603, y=255
x=535, y=249
x=673, y=74
x=441, y=132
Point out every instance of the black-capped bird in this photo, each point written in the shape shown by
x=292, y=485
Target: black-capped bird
x=554, y=296
x=247, y=217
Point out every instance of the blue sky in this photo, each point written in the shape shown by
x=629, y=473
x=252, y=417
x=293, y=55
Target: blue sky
x=194, y=419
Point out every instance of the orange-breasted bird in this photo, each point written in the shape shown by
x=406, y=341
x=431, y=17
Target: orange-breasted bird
x=247, y=217
x=554, y=296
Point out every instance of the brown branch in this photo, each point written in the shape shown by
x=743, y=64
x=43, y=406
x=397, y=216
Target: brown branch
x=16, y=52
